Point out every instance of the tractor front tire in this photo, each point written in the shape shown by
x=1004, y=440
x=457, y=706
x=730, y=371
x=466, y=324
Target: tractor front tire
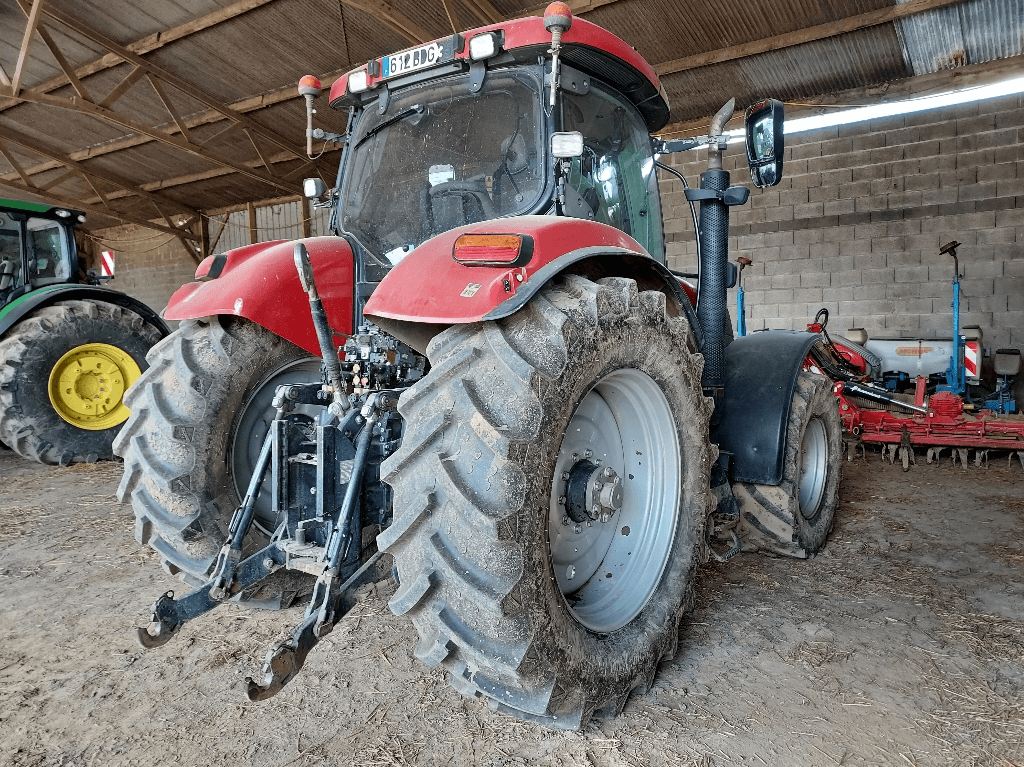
x=795, y=517
x=63, y=373
x=199, y=416
x=547, y=618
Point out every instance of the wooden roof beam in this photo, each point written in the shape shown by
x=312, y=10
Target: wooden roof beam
x=30, y=29
x=170, y=78
x=145, y=45
x=66, y=202
x=14, y=164
x=806, y=35
x=63, y=63
x=85, y=107
x=31, y=144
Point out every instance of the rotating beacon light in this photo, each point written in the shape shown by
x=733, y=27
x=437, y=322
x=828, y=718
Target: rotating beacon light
x=557, y=20
x=309, y=89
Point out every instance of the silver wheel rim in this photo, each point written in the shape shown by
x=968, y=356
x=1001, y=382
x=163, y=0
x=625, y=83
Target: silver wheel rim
x=813, y=468
x=608, y=571
x=251, y=429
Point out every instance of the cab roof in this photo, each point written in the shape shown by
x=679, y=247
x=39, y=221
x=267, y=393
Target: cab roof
x=585, y=46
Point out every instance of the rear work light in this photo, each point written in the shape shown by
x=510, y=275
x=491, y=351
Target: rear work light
x=358, y=81
x=493, y=249
x=483, y=46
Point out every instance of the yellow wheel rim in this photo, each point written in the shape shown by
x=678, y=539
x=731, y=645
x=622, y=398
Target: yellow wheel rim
x=87, y=384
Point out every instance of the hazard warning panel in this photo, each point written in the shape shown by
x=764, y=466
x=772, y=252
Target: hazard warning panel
x=107, y=263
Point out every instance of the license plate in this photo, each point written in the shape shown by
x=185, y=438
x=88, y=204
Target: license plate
x=428, y=55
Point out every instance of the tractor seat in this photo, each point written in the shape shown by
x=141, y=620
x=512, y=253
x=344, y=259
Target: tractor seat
x=1007, y=362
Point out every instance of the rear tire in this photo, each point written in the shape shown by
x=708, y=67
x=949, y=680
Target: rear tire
x=795, y=517
x=63, y=372
x=547, y=622
x=199, y=416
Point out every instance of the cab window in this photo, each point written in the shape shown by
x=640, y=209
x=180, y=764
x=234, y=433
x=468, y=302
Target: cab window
x=10, y=253
x=615, y=176
x=49, y=261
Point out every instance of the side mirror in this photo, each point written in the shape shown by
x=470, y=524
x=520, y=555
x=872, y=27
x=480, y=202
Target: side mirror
x=765, y=142
x=313, y=188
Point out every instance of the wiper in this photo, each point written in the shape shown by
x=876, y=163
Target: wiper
x=415, y=109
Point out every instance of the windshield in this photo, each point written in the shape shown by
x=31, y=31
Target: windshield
x=442, y=156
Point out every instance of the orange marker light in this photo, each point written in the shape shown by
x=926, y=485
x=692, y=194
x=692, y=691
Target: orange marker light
x=489, y=249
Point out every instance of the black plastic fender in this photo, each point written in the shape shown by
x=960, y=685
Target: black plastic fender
x=760, y=375
x=50, y=295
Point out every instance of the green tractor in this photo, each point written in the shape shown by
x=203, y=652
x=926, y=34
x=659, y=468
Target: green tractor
x=69, y=348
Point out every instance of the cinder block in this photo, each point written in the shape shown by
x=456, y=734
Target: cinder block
x=835, y=264
x=778, y=239
x=888, y=245
x=977, y=191
x=1008, y=285
x=781, y=213
x=902, y=322
x=910, y=275
x=996, y=304
x=985, y=220
x=808, y=237
x=855, y=190
x=837, y=294
x=1010, y=187
x=836, y=177
x=980, y=269
x=856, y=247
x=780, y=281
x=870, y=203
x=883, y=306
x=808, y=210
x=846, y=278
x=999, y=172
x=903, y=258
x=839, y=207
x=868, y=292
x=807, y=295
x=904, y=290
x=884, y=276
x=868, y=141
x=802, y=255
x=838, y=234
x=869, y=261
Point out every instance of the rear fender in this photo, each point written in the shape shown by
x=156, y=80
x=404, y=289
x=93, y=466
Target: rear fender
x=429, y=291
x=751, y=417
x=259, y=282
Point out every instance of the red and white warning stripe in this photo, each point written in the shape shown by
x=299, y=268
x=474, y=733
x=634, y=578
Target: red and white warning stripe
x=971, y=355
x=107, y=263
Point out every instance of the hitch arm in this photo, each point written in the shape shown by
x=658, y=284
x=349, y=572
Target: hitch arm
x=286, y=659
x=170, y=614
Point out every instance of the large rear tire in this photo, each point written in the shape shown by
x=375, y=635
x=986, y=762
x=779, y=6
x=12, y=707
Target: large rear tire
x=550, y=619
x=199, y=416
x=795, y=517
x=63, y=373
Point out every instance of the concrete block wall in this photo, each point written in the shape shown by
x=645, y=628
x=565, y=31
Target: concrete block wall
x=856, y=225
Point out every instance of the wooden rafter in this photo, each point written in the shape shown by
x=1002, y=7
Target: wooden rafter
x=63, y=63
x=4, y=79
x=220, y=230
x=96, y=189
x=37, y=147
x=259, y=152
x=145, y=45
x=55, y=182
x=453, y=17
x=34, y=14
x=806, y=35
x=191, y=90
x=14, y=164
x=66, y=202
x=175, y=115
x=485, y=11
x=85, y=107
x=122, y=87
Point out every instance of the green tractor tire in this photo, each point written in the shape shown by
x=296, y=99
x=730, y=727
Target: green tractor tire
x=63, y=373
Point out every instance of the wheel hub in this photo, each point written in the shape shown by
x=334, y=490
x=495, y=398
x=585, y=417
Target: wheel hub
x=592, y=492
x=87, y=384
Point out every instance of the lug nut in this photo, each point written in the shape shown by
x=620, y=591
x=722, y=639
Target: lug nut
x=561, y=500
x=565, y=521
x=577, y=529
x=609, y=471
x=565, y=475
x=269, y=563
x=588, y=453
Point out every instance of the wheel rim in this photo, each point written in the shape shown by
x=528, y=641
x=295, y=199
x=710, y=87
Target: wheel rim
x=251, y=427
x=607, y=571
x=87, y=384
x=813, y=468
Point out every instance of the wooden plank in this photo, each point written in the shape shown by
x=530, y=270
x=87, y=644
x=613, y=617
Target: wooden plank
x=63, y=63
x=252, y=140
x=96, y=189
x=34, y=15
x=170, y=78
x=4, y=79
x=485, y=10
x=220, y=230
x=453, y=17
x=85, y=107
x=169, y=106
x=122, y=87
x=14, y=164
x=146, y=45
x=30, y=143
x=306, y=214
x=58, y=180
x=806, y=35
x=67, y=202
x=253, y=231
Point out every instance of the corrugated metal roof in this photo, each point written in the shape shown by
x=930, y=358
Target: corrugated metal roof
x=264, y=50
x=971, y=33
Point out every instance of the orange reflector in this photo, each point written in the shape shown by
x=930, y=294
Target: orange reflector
x=211, y=267
x=492, y=250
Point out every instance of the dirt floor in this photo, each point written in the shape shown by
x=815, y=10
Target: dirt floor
x=901, y=644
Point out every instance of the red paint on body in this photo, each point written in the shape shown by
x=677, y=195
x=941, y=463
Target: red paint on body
x=430, y=286
x=259, y=282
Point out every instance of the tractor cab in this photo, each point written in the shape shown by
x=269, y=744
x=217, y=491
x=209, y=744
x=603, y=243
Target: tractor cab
x=37, y=247
x=463, y=130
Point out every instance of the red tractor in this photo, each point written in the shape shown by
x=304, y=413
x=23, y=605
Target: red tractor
x=533, y=423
